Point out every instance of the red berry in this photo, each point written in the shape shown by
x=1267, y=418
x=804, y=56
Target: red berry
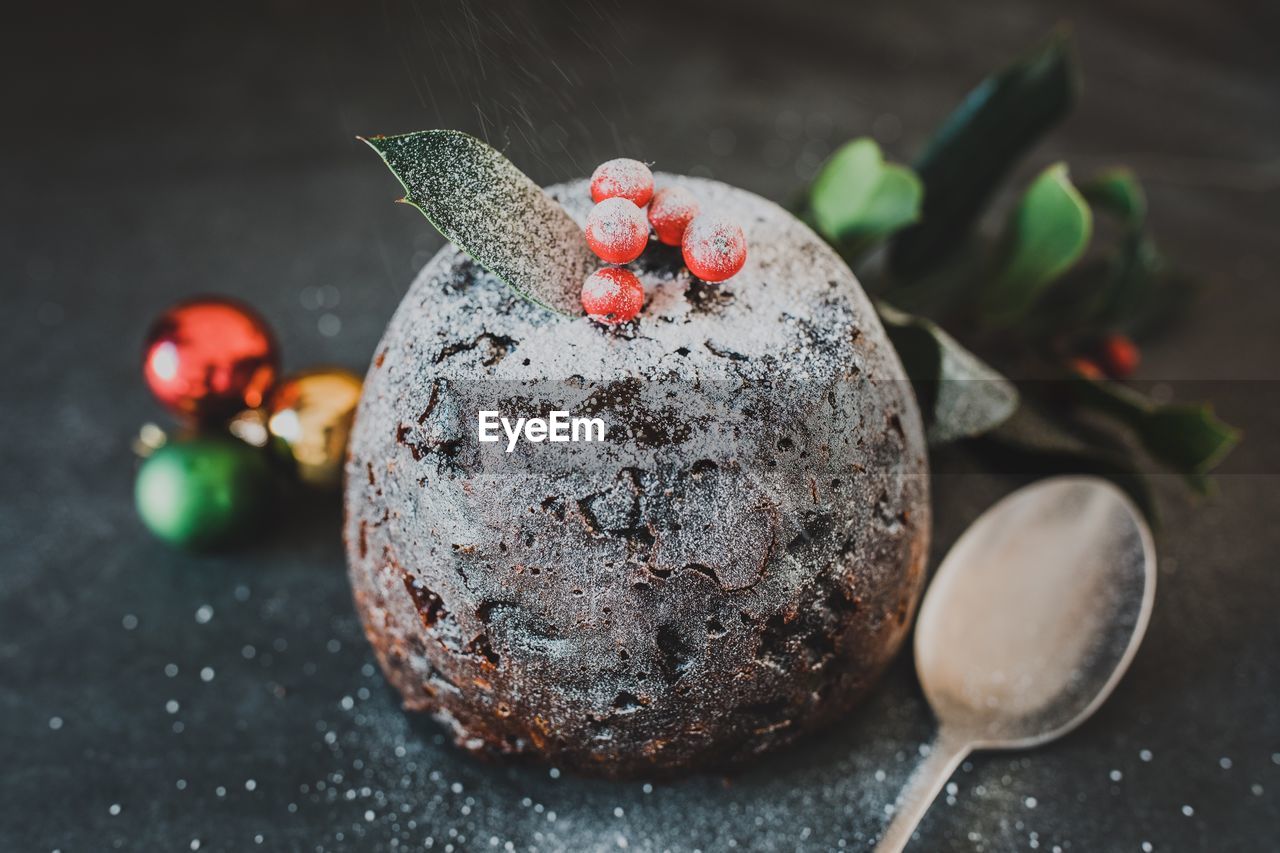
x=617, y=231
x=671, y=212
x=1085, y=368
x=622, y=178
x=1120, y=356
x=612, y=295
x=714, y=248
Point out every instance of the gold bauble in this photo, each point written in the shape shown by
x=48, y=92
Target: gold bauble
x=311, y=412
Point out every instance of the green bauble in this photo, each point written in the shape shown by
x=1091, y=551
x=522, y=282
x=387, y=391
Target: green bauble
x=203, y=492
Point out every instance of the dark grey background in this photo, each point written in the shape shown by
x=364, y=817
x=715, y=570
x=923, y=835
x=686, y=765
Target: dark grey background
x=155, y=152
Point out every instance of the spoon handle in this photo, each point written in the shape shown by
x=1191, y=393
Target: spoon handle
x=928, y=778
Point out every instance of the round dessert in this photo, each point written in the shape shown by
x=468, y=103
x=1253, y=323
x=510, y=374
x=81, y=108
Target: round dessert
x=730, y=568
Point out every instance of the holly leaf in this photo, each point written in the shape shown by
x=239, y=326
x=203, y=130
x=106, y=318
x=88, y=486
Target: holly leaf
x=1134, y=275
x=978, y=144
x=1046, y=234
x=1187, y=437
x=960, y=395
x=858, y=198
x=1140, y=291
x=1118, y=193
x=491, y=210
x=1131, y=287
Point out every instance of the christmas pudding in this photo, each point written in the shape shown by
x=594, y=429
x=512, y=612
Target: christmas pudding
x=721, y=560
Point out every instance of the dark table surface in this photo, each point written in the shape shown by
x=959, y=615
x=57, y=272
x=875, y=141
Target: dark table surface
x=153, y=700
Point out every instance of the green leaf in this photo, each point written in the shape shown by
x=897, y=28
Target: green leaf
x=1189, y=438
x=1140, y=290
x=491, y=210
x=1134, y=274
x=960, y=395
x=1118, y=193
x=978, y=144
x=1130, y=288
x=858, y=197
x=1047, y=233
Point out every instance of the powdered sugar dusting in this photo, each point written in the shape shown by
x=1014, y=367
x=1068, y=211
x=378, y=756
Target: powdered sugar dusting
x=598, y=286
x=792, y=282
x=622, y=178
x=623, y=607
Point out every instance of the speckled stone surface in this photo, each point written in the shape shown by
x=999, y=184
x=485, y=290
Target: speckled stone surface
x=729, y=570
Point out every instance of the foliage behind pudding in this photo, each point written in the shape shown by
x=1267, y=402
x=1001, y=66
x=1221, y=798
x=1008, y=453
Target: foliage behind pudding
x=730, y=569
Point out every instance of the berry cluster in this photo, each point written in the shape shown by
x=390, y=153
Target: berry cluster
x=1115, y=356
x=714, y=248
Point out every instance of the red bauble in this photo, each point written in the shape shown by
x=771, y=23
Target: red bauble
x=622, y=178
x=714, y=248
x=671, y=212
x=617, y=231
x=208, y=358
x=612, y=295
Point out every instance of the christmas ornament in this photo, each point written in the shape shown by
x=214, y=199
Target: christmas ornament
x=671, y=212
x=311, y=413
x=612, y=295
x=203, y=492
x=207, y=358
x=617, y=231
x=714, y=248
x=622, y=178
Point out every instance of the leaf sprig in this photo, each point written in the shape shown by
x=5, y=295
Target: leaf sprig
x=1032, y=299
x=483, y=204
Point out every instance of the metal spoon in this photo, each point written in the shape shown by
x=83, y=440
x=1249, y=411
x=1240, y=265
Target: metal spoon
x=1029, y=623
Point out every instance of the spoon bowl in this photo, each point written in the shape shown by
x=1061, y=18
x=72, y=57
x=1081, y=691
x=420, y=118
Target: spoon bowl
x=1028, y=625
x=1036, y=612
